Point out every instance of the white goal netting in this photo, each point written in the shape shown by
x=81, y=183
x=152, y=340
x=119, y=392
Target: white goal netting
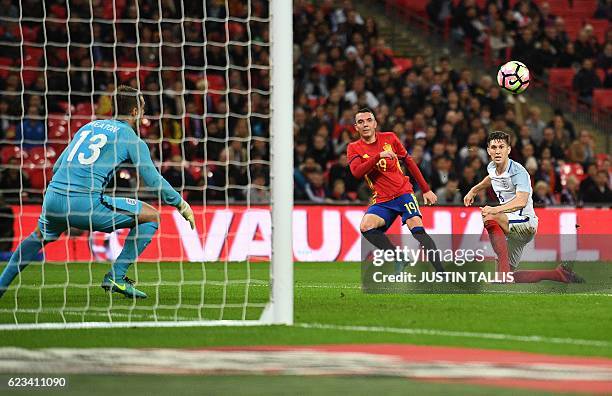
x=204, y=70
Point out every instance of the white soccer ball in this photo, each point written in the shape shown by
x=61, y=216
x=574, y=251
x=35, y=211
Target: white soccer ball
x=513, y=77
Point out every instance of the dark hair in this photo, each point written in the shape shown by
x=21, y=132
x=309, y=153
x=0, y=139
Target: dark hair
x=126, y=100
x=498, y=135
x=363, y=110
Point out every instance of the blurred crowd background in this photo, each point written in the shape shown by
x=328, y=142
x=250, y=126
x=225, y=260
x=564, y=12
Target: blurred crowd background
x=206, y=87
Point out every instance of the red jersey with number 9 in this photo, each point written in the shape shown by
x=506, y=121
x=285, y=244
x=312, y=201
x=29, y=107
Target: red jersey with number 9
x=385, y=176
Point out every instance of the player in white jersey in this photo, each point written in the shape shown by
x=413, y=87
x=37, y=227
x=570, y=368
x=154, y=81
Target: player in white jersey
x=513, y=223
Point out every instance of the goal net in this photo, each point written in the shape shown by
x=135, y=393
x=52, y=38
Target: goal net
x=218, y=128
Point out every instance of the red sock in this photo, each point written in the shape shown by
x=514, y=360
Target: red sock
x=538, y=275
x=500, y=246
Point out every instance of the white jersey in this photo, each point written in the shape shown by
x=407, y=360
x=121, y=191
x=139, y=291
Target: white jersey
x=523, y=223
x=514, y=178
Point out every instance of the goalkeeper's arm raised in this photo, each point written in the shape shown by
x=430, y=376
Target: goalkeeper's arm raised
x=141, y=157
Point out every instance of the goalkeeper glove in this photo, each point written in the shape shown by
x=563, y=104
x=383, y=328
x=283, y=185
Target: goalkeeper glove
x=185, y=211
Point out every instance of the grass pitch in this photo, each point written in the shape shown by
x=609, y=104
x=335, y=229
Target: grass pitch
x=329, y=308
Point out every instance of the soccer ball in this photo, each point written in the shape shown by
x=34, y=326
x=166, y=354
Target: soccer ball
x=513, y=77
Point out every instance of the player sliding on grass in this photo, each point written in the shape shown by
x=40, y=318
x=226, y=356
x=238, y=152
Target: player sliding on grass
x=513, y=223
x=75, y=196
x=375, y=156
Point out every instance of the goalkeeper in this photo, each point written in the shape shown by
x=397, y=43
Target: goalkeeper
x=75, y=196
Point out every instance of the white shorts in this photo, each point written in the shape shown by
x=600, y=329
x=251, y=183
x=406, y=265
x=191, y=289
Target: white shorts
x=522, y=230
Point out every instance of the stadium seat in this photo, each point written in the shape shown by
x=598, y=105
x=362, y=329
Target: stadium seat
x=39, y=155
x=85, y=108
x=30, y=34
x=127, y=71
x=76, y=124
x=5, y=64
x=58, y=11
x=12, y=151
x=402, y=64
x=571, y=169
x=196, y=169
x=602, y=102
x=560, y=80
x=33, y=55
x=600, y=28
x=600, y=158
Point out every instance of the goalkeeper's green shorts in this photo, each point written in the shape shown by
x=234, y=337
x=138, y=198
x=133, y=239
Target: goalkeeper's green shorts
x=86, y=212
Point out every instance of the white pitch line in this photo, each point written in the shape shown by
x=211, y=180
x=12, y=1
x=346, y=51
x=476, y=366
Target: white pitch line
x=358, y=287
x=462, y=334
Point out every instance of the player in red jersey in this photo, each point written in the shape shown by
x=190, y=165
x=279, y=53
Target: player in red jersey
x=375, y=157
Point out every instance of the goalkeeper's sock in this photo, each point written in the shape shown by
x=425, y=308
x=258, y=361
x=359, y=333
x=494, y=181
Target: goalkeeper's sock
x=26, y=252
x=534, y=276
x=500, y=245
x=135, y=243
x=428, y=245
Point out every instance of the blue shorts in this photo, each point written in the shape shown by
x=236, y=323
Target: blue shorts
x=86, y=212
x=405, y=205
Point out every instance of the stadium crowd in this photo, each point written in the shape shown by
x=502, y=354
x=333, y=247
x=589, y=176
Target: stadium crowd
x=528, y=31
x=207, y=105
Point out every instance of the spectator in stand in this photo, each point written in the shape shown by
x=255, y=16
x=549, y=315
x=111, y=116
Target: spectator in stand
x=604, y=59
x=359, y=89
x=599, y=192
x=13, y=182
x=338, y=192
x=315, y=188
x=548, y=175
x=603, y=10
x=320, y=150
x=468, y=180
x=473, y=149
x=568, y=57
x=258, y=192
x=589, y=181
x=382, y=55
x=524, y=46
x=7, y=124
x=570, y=195
x=7, y=231
x=524, y=139
x=545, y=57
x=586, y=80
x=177, y=175
x=549, y=142
x=585, y=47
x=535, y=124
x=542, y=195
x=449, y=194
x=500, y=40
x=31, y=130
x=441, y=173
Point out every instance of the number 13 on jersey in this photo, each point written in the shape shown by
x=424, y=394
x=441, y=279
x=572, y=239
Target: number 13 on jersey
x=96, y=143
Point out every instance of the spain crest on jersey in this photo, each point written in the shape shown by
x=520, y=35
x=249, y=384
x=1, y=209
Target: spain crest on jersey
x=387, y=147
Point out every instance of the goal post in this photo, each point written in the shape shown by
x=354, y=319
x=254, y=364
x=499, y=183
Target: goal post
x=82, y=55
x=281, y=168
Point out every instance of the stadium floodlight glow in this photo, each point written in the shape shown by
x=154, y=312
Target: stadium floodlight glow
x=94, y=309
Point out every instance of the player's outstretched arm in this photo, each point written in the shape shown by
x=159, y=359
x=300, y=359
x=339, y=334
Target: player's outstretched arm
x=483, y=185
x=141, y=157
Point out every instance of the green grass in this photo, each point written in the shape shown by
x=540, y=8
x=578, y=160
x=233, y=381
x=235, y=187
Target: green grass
x=326, y=293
